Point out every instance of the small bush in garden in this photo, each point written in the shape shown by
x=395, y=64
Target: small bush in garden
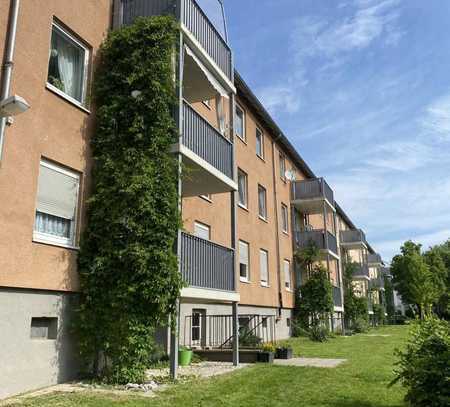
x=424, y=365
x=318, y=333
x=360, y=325
x=247, y=339
x=298, y=329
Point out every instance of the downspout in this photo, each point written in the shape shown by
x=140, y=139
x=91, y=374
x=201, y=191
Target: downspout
x=8, y=63
x=277, y=234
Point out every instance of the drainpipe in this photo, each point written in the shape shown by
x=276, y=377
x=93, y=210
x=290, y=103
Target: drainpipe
x=8, y=64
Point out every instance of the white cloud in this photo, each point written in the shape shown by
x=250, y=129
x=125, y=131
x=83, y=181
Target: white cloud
x=276, y=97
x=436, y=120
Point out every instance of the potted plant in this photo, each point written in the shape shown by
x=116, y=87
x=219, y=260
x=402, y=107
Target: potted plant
x=283, y=352
x=267, y=353
x=184, y=356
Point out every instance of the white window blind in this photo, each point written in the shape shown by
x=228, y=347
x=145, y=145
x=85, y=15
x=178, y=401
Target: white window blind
x=201, y=230
x=262, y=202
x=264, y=267
x=287, y=273
x=243, y=260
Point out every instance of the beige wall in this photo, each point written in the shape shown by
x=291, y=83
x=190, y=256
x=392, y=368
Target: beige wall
x=53, y=128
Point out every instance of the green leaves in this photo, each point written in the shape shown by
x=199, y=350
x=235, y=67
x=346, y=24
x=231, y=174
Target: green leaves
x=128, y=268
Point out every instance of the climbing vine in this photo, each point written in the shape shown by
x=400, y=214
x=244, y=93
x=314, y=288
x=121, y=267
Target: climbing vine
x=129, y=279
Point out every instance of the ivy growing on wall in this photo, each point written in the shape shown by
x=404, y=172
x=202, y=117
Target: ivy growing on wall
x=128, y=268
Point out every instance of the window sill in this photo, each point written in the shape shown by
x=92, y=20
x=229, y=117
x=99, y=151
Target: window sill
x=285, y=232
x=263, y=219
x=242, y=139
x=265, y=285
x=205, y=198
x=245, y=281
x=243, y=207
x=50, y=242
x=289, y=290
x=67, y=98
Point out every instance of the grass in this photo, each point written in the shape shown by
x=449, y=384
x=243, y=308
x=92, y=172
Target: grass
x=360, y=382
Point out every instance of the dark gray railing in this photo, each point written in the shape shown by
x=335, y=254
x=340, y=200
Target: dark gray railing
x=195, y=20
x=312, y=189
x=205, y=264
x=353, y=236
x=374, y=258
x=205, y=141
x=217, y=331
x=337, y=299
x=377, y=282
x=361, y=270
x=318, y=238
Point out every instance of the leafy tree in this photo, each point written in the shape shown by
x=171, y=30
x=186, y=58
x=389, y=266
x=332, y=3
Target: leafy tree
x=129, y=279
x=389, y=297
x=413, y=278
x=356, y=308
x=443, y=305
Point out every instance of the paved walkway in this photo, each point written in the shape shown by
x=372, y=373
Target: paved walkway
x=310, y=362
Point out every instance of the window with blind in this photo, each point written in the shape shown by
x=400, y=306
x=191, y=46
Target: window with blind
x=244, y=271
x=262, y=202
x=259, y=143
x=264, y=267
x=287, y=274
x=239, y=123
x=284, y=218
x=242, y=188
x=201, y=230
x=56, y=205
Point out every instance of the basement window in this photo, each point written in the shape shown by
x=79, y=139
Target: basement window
x=44, y=328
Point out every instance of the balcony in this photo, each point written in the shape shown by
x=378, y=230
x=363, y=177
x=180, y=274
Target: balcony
x=374, y=259
x=309, y=196
x=206, y=265
x=361, y=271
x=207, y=157
x=353, y=239
x=377, y=283
x=199, y=31
x=337, y=299
x=326, y=242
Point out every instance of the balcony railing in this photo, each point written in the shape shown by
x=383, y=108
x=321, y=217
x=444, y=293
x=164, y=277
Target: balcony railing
x=205, y=141
x=374, y=258
x=318, y=238
x=193, y=18
x=377, y=283
x=361, y=270
x=337, y=299
x=353, y=236
x=312, y=189
x=205, y=264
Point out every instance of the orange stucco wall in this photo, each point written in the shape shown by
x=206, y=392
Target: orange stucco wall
x=53, y=128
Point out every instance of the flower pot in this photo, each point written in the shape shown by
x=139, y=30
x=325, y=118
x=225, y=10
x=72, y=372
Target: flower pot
x=283, y=353
x=266, y=357
x=184, y=357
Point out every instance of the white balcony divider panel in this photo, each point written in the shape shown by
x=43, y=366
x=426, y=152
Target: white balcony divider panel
x=205, y=141
x=205, y=264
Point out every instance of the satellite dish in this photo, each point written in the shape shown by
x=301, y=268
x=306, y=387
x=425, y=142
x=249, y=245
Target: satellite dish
x=290, y=175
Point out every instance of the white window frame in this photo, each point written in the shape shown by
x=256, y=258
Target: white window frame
x=243, y=205
x=207, y=103
x=284, y=218
x=40, y=237
x=282, y=166
x=287, y=275
x=245, y=279
x=259, y=131
x=262, y=216
x=204, y=227
x=264, y=254
x=206, y=197
x=87, y=56
x=244, y=135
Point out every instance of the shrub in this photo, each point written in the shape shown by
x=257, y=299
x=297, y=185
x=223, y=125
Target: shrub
x=424, y=365
x=248, y=339
x=360, y=325
x=299, y=329
x=268, y=347
x=318, y=333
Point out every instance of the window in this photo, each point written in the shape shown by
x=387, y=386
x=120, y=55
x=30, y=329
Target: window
x=287, y=274
x=262, y=202
x=264, y=267
x=198, y=326
x=56, y=207
x=239, y=123
x=206, y=197
x=44, y=328
x=282, y=167
x=243, y=261
x=284, y=218
x=259, y=143
x=68, y=65
x=201, y=230
x=288, y=322
x=207, y=103
x=242, y=188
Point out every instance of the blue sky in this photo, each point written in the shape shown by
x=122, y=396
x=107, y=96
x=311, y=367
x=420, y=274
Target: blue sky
x=362, y=90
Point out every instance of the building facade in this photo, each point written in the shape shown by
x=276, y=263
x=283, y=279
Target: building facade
x=248, y=203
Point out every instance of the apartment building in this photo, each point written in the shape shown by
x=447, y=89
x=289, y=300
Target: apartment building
x=248, y=199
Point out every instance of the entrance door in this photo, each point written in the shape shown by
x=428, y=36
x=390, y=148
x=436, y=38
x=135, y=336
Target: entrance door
x=198, y=327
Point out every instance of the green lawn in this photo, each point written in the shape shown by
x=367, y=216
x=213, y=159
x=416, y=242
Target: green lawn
x=361, y=382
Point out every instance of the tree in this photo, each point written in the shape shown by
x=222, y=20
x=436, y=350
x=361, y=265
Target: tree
x=413, y=277
x=356, y=308
x=443, y=305
x=389, y=297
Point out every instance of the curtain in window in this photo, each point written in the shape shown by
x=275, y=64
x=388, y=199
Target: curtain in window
x=70, y=65
x=52, y=225
x=242, y=189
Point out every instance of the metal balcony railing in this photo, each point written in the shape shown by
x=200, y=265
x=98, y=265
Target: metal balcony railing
x=318, y=238
x=193, y=18
x=205, y=264
x=361, y=270
x=337, y=299
x=312, y=189
x=205, y=141
x=353, y=236
x=377, y=283
x=374, y=258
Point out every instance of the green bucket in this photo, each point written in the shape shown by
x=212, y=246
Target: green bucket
x=184, y=357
